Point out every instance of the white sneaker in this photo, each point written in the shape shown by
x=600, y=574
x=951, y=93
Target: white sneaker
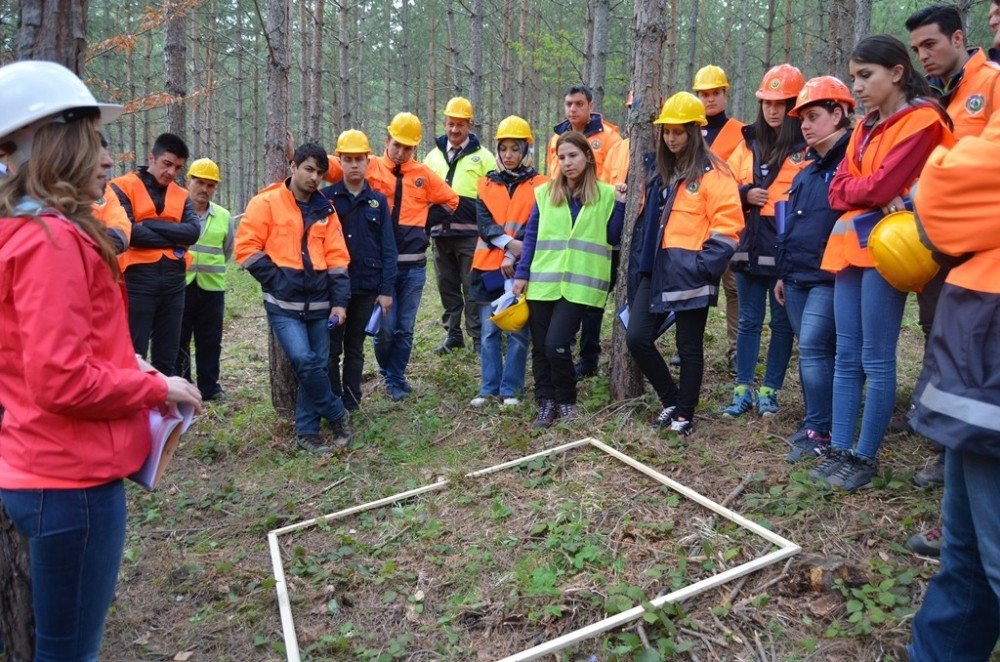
x=511, y=402
x=479, y=401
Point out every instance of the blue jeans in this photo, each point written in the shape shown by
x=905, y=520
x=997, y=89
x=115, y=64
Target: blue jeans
x=499, y=377
x=810, y=312
x=754, y=294
x=394, y=342
x=307, y=345
x=75, y=540
x=961, y=611
x=869, y=313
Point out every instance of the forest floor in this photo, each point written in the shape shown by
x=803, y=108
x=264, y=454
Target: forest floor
x=490, y=566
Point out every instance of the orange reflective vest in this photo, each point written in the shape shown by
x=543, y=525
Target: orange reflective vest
x=143, y=209
x=973, y=101
x=601, y=142
x=511, y=212
x=727, y=139
x=112, y=215
x=863, y=158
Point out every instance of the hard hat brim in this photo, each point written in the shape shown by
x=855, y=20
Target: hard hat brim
x=704, y=87
x=679, y=122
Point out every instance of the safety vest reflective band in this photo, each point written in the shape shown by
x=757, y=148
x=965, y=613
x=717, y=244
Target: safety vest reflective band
x=143, y=209
x=510, y=212
x=206, y=260
x=468, y=170
x=572, y=260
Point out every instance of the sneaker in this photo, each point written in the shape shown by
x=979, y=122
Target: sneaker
x=927, y=543
x=810, y=446
x=448, y=345
x=832, y=460
x=568, y=413
x=854, y=474
x=585, y=370
x=396, y=393
x=340, y=431
x=743, y=401
x=767, y=402
x=797, y=436
x=547, y=414
x=665, y=418
x=511, y=401
x=675, y=360
x=682, y=426
x=932, y=476
x=313, y=443
x=479, y=401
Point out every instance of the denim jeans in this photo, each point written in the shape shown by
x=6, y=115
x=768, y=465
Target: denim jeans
x=500, y=377
x=810, y=312
x=394, y=343
x=754, y=294
x=960, y=615
x=307, y=345
x=868, y=313
x=75, y=540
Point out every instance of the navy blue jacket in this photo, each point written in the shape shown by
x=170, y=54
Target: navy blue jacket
x=809, y=220
x=370, y=238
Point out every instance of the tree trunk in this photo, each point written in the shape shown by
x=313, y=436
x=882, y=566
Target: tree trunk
x=432, y=62
x=147, y=89
x=788, y=31
x=456, y=78
x=769, y=32
x=841, y=36
x=476, y=52
x=672, y=47
x=283, y=383
x=692, y=45
x=175, y=65
x=54, y=30
x=508, y=100
x=648, y=38
x=522, y=73
x=242, y=185
x=863, y=19
x=404, y=46
x=316, y=87
x=344, y=41
x=17, y=620
x=599, y=60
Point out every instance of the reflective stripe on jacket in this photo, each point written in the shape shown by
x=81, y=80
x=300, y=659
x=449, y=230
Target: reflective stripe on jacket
x=206, y=261
x=473, y=162
x=143, y=208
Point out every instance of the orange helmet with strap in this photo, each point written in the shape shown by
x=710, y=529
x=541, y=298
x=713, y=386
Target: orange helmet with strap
x=823, y=88
x=781, y=82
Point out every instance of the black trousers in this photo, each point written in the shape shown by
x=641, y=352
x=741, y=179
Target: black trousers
x=590, y=329
x=453, y=263
x=553, y=329
x=204, y=311
x=641, y=340
x=155, y=320
x=348, y=340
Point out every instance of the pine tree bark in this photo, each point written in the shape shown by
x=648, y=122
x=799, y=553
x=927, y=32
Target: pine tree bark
x=456, y=77
x=54, y=30
x=692, y=38
x=863, y=19
x=344, y=42
x=404, y=51
x=476, y=11
x=599, y=60
x=648, y=38
x=175, y=65
x=769, y=32
x=316, y=82
x=522, y=91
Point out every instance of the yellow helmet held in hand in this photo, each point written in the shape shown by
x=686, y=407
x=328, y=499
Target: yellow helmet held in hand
x=710, y=78
x=205, y=169
x=513, y=317
x=405, y=129
x=514, y=127
x=682, y=108
x=353, y=141
x=898, y=253
x=459, y=108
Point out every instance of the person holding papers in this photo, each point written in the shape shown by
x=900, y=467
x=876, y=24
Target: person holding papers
x=76, y=400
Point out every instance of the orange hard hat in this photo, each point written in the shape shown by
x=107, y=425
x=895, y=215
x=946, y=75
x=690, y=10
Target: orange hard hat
x=781, y=82
x=823, y=88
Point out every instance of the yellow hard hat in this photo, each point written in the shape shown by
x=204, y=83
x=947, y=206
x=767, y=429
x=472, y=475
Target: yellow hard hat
x=353, y=141
x=204, y=169
x=682, y=108
x=405, y=129
x=898, y=253
x=459, y=108
x=710, y=78
x=513, y=317
x=514, y=127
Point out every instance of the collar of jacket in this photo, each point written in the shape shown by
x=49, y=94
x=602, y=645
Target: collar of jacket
x=340, y=190
x=151, y=183
x=511, y=177
x=869, y=120
x=717, y=121
x=409, y=166
x=976, y=60
x=318, y=205
x=471, y=147
x=595, y=125
x=834, y=155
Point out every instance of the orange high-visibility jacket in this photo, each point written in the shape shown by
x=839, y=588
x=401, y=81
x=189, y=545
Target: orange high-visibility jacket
x=974, y=100
x=510, y=212
x=111, y=213
x=602, y=134
x=143, y=208
x=727, y=139
x=741, y=162
x=616, y=164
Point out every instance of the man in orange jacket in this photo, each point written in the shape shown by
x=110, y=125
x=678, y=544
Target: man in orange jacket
x=411, y=188
x=291, y=241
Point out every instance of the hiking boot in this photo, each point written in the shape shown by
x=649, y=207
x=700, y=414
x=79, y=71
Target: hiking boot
x=743, y=401
x=547, y=414
x=448, y=345
x=927, y=543
x=584, y=370
x=810, y=446
x=682, y=426
x=313, y=443
x=665, y=418
x=568, y=413
x=854, y=474
x=340, y=431
x=932, y=476
x=832, y=460
x=767, y=402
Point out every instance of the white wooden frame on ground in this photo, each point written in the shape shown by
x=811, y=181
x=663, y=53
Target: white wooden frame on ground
x=786, y=548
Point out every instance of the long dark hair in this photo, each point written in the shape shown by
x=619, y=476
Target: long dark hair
x=887, y=51
x=690, y=164
x=777, y=145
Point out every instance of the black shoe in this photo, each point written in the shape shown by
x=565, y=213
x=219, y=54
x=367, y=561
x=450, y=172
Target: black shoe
x=932, y=476
x=682, y=426
x=731, y=364
x=341, y=433
x=448, y=345
x=584, y=370
x=547, y=414
x=215, y=396
x=666, y=417
x=675, y=360
x=313, y=443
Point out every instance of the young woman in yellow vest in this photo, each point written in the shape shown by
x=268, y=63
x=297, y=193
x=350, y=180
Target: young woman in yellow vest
x=771, y=154
x=885, y=155
x=691, y=225
x=505, y=199
x=565, y=269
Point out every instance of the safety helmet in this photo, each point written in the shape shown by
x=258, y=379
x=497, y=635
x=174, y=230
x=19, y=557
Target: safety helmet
x=682, y=108
x=709, y=78
x=781, y=82
x=898, y=253
x=823, y=88
x=514, y=127
x=459, y=108
x=405, y=129
x=353, y=141
x=37, y=93
x=513, y=317
x=204, y=169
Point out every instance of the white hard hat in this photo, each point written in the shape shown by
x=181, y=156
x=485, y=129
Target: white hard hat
x=37, y=93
